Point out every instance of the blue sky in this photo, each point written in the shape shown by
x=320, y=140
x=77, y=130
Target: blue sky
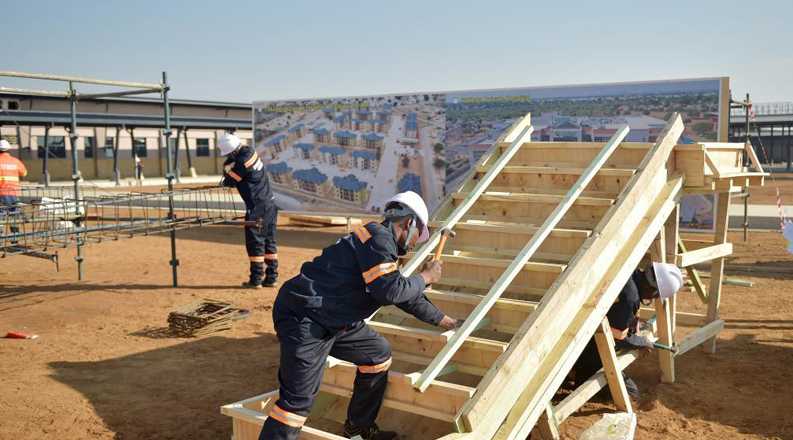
x=257, y=50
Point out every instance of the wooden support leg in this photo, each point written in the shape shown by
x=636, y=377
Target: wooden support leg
x=605, y=345
x=665, y=309
x=721, y=217
x=547, y=427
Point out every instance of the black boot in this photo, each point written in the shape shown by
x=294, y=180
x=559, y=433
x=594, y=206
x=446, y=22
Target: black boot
x=369, y=433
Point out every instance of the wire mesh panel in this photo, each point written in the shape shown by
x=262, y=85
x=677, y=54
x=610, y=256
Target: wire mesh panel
x=47, y=218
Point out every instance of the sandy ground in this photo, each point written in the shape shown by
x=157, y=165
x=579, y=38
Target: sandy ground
x=104, y=369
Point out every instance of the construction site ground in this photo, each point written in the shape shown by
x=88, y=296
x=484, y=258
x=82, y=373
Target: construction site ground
x=104, y=366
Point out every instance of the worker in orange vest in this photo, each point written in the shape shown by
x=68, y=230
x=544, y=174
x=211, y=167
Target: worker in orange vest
x=11, y=171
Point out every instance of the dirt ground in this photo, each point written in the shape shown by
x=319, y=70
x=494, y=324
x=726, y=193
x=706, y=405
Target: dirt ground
x=103, y=368
x=766, y=195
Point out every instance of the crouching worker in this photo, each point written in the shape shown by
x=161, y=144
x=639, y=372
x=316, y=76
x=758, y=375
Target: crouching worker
x=244, y=170
x=321, y=312
x=661, y=280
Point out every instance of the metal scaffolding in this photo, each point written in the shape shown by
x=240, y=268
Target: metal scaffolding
x=49, y=218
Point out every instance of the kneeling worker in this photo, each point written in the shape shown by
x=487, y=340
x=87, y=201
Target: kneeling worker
x=321, y=312
x=245, y=171
x=662, y=280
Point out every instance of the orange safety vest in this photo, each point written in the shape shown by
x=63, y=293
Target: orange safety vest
x=11, y=170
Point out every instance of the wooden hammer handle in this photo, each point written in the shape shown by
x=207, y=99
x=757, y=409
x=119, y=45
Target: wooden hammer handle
x=439, y=249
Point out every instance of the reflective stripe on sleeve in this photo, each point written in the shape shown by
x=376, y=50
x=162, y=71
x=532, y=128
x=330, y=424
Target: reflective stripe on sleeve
x=235, y=176
x=378, y=271
x=286, y=417
x=362, y=234
x=9, y=178
x=249, y=163
x=372, y=369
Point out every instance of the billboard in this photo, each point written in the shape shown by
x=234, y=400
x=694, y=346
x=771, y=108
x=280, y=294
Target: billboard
x=350, y=154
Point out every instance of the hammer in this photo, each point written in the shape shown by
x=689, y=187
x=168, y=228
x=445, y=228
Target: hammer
x=445, y=234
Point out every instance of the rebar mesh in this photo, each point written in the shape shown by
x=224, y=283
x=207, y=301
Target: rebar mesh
x=48, y=218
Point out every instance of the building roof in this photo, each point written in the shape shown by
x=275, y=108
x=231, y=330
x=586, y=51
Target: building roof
x=278, y=168
x=410, y=182
x=275, y=139
x=319, y=130
x=37, y=118
x=143, y=100
x=345, y=134
x=296, y=128
x=567, y=125
x=312, y=175
x=305, y=146
x=373, y=137
x=364, y=154
x=349, y=182
x=412, y=121
x=331, y=149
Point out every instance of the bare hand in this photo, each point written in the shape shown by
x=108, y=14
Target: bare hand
x=432, y=272
x=449, y=323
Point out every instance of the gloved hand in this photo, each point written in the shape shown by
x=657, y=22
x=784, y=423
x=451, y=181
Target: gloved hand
x=637, y=341
x=449, y=323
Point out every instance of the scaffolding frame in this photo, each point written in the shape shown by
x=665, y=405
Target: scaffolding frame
x=73, y=96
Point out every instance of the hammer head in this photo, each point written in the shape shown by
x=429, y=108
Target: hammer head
x=448, y=232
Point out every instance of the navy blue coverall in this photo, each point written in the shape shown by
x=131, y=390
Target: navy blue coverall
x=623, y=317
x=245, y=171
x=320, y=312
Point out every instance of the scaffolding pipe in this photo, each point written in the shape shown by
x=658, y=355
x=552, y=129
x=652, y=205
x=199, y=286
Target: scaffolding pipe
x=77, y=79
x=118, y=94
x=76, y=178
x=45, y=163
x=177, y=165
x=116, y=171
x=169, y=173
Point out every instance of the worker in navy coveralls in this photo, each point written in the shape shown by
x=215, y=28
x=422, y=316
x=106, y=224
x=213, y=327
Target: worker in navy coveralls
x=662, y=280
x=245, y=171
x=321, y=312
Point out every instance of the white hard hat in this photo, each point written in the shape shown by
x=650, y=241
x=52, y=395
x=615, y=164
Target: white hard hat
x=669, y=279
x=228, y=143
x=4, y=145
x=414, y=202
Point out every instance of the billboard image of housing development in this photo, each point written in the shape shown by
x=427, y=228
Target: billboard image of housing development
x=352, y=154
x=579, y=113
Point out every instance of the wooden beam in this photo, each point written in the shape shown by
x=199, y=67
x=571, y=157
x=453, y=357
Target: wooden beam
x=683, y=318
x=699, y=336
x=441, y=400
x=711, y=165
x=547, y=427
x=519, y=262
x=721, y=217
x=705, y=254
x=608, y=357
x=524, y=129
x=663, y=313
x=589, y=388
x=548, y=342
x=561, y=170
x=521, y=197
x=694, y=276
x=753, y=156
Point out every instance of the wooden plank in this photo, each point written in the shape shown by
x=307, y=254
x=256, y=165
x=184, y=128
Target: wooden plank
x=514, y=197
x=694, y=276
x=560, y=169
x=460, y=210
x=517, y=265
x=512, y=228
x=531, y=266
x=712, y=165
x=441, y=400
x=753, y=157
x=608, y=356
x=522, y=292
x=588, y=389
x=663, y=313
x=699, y=336
x=529, y=369
x=692, y=258
x=720, y=216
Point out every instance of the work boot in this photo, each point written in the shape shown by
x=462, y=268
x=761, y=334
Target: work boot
x=269, y=282
x=631, y=387
x=251, y=285
x=369, y=433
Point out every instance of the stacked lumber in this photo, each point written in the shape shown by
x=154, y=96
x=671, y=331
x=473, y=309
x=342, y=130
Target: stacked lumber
x=204, y=317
